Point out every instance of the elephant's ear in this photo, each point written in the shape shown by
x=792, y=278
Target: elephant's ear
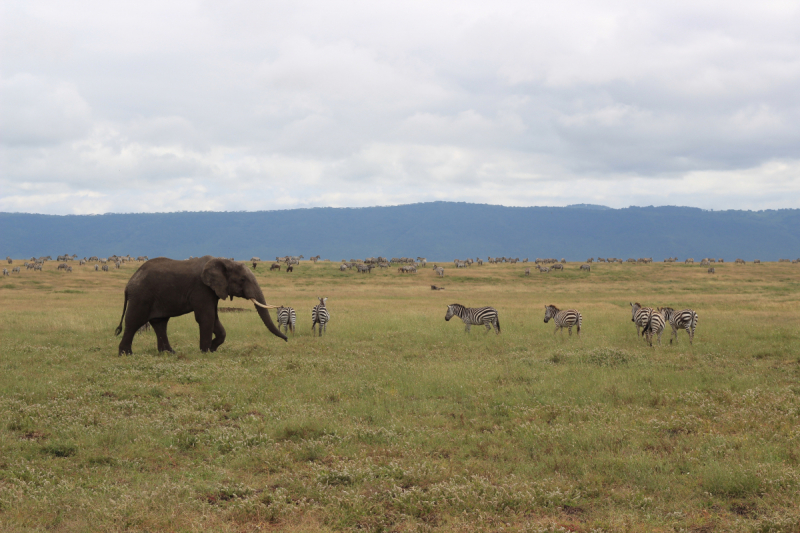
x=215, y=275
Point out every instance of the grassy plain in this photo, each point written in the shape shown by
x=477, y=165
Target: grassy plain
x=398, y=421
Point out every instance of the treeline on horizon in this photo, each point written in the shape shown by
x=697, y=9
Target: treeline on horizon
x=438, y=230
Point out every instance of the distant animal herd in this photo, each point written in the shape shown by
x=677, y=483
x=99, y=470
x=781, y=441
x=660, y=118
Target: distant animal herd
x=651, y=321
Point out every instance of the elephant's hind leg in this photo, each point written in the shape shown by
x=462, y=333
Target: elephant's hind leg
x=134, y=319
x=219, y=335
x=160, y=328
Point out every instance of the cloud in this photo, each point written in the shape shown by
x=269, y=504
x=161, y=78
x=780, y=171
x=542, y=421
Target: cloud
x=154, y=106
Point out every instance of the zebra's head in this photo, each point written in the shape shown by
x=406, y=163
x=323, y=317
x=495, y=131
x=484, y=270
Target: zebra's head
x=666, y=312
x=452, y=310
x=322, y=301
x=634, y=307
x=549, y=312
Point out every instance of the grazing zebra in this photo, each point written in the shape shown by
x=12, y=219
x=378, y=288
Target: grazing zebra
x=287, y=319
x=439, y=271
x=685, y=318
x=5, y=272
x=474, y=316
x=563, y=319
x=527, y=271
x=15, y=269
x=640, y=316
x=654, y=326
x=587, y=268
x=105, y=268
x=320, y=315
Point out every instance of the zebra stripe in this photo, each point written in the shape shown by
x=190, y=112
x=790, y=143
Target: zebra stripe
x=320, y=315
x=685, y=318
x=563, y=319
x=640, y=315
x=655, y=326
x=287, y=319
x=476, y=316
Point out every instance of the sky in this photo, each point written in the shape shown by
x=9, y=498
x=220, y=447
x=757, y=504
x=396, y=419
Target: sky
x=257, y=105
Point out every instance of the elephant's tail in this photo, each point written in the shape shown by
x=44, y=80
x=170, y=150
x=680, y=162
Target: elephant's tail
x=124, y=308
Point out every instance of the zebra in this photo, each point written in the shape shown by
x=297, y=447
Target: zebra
x=105, y=268
x=712, y=270
x=475, y=316
x=656, y=322
x=587, y=268
x=287, y=319
x=685, y=318
x=15, y=270
x=439, y=271
x=5, y=272
x=527, y=271
x=640, y=315
x=563, y=319
x=320, y=315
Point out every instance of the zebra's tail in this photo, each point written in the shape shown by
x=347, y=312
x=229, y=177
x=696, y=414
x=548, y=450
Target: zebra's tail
x=649, y=324
x=498, y=325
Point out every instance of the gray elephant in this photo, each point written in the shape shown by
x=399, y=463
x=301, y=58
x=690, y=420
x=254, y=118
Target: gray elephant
x=163, y=288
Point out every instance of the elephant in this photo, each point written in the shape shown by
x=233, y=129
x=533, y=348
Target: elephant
x=163, y=288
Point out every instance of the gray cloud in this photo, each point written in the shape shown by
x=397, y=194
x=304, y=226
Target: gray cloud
x=161, y=106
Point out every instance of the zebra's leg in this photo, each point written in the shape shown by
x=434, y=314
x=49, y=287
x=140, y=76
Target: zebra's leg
x=578, y=329
x=690, y=332
x=569, y=328
x=466, y=328
x=674, y=333
x=488, y=327
x=659, y=337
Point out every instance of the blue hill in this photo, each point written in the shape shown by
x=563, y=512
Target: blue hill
x=437, y=230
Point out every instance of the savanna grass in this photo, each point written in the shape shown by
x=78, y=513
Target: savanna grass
x=396, y=420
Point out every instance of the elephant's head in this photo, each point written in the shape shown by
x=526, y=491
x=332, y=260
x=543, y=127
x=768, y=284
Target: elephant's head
x=228, y=279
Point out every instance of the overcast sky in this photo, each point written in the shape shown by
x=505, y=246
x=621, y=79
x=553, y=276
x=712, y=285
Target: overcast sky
x=239, y=105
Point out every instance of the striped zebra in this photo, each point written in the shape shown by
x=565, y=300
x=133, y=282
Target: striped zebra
x=320, y=315
x=656, y=322
x=640, y=315
x=685, y=318
x=476, y=316
x=287, y=319
x=563, y=319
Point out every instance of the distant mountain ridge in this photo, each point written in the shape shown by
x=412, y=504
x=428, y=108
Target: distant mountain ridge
x=436, y=230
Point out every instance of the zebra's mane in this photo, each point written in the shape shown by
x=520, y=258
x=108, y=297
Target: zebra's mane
x=457, y=306
x=554, y=307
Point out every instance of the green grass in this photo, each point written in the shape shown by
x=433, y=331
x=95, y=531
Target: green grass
x=396, y=420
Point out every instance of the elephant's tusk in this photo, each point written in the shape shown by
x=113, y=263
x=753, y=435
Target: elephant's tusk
x=262, y=305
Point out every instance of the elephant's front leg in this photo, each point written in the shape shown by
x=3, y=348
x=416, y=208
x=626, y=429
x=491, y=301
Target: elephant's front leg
x=205, y=320
x=219, y=335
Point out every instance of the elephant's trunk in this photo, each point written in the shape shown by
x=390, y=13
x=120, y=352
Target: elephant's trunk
x=264, y=314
